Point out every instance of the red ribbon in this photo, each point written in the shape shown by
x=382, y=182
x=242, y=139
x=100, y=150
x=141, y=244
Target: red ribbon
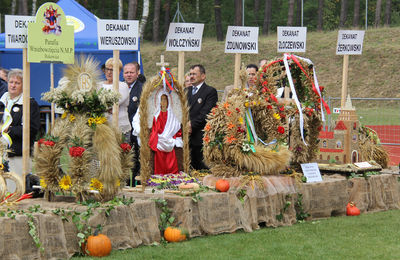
x=312, y=82
x=302, y=69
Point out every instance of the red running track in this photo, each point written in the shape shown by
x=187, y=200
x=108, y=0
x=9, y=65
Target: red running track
x=389, y=134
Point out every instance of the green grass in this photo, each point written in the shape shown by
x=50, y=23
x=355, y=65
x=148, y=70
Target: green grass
x=369, y=236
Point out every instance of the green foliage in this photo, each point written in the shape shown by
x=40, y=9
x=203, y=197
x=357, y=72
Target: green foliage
x=301, y=215
x=285, y=207
x=166, y=218
x=30, y=220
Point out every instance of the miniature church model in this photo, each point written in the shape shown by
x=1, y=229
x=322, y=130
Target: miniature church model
x=341, y=144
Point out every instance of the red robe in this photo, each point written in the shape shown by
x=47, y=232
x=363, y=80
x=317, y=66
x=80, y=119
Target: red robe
x=164, y=162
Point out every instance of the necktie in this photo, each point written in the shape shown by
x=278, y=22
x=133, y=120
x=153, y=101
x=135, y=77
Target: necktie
x=194, y=90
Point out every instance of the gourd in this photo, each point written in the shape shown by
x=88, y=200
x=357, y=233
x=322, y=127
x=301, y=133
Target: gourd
x=98, y=245
x=222, y=185
x=174, y=234
x=352, y=210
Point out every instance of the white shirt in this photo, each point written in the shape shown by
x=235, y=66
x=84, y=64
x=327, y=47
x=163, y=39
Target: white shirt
x=123, y=118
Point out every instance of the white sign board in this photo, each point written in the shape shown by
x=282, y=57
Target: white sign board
x=363, y=164
x=292, y=39
x=350, y=42
x=241, y=39
x=118, y=34
x=185, y=36
x=311, y=172
x=16, y=34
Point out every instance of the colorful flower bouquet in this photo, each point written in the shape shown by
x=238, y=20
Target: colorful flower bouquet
x=170, y=181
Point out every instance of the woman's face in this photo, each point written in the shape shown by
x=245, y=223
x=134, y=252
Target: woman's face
x=187, y=81
x=164, y=103
x=15, y=86
x=108, y=71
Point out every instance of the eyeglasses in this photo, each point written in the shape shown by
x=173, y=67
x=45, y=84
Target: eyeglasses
x=108, y=70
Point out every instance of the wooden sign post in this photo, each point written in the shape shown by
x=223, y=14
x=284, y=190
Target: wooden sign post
x=184, y=37
x=350, y=42
x=26, y=114
x=291, y=39
x=241, y=39
x=117, y=35
x=116, y=86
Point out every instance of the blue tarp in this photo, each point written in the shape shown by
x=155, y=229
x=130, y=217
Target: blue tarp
x=85, y=43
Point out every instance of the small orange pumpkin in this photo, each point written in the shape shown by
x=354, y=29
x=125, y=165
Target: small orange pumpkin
x=174, y=234
x=222, y=185
x=98, y=245
x=352, y=210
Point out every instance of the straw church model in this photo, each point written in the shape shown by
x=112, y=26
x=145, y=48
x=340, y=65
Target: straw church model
x=341, y=144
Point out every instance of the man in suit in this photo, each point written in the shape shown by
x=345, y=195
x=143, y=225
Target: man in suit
x=130, y=74
x=202, y=98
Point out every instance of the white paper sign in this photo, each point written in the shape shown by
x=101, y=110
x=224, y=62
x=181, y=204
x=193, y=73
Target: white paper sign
x=363, y=164
x=241, y=39
x=118, y=34
x=311, y=172
x=350, y=42
x=16, y=34
x=185, y=36
x=292, y=39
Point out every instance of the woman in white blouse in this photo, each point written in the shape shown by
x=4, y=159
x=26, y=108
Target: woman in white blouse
x=123, y=119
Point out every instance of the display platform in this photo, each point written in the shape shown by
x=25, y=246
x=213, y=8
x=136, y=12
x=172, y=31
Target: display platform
x=215, y=213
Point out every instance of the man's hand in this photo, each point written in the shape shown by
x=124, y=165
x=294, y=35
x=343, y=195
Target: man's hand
x=189, y=125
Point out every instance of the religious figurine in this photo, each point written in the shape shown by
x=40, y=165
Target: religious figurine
x=166, y=134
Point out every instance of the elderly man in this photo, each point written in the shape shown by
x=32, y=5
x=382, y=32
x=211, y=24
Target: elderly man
x=130, y=73
x=202, y=98
x=251, y=71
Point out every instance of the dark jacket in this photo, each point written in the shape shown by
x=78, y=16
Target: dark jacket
x=15, y=129
x=134, y=99
x=3, y=87
x=200, y=105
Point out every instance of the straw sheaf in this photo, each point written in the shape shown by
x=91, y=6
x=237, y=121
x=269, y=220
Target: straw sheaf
x=79, y=167
x=3, y=187
x=370, y=150
x=107, y=150
x=81, y=130
x=61, y=129
x=47, y=164
x=82, y=64
x=145, y=151
x=126, y=157
x=18, y=185
x=223, y=140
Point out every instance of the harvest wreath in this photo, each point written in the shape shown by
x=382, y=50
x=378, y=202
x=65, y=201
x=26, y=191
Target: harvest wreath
x=97, y=158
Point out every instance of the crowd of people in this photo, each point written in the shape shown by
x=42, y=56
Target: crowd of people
x=201, y=99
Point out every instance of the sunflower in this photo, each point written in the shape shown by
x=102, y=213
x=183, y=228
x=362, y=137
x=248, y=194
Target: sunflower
x=65, y=182
x=100, y=120
x=43, y=183
x=71, y=118
x=95, y=184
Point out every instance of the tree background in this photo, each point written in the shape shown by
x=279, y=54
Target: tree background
x=267, y=14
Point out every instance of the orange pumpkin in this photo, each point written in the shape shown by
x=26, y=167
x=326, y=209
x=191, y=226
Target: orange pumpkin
x=352, y=210
x=174, y=234
x=98, y=245
x=222, y=185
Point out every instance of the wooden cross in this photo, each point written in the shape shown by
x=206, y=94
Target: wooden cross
x=162, y=63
